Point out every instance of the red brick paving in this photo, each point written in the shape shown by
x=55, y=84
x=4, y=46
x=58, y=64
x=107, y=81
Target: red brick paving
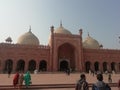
x=57, y=78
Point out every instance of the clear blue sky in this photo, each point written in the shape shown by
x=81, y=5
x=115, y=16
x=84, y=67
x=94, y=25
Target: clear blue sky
x=101, y=18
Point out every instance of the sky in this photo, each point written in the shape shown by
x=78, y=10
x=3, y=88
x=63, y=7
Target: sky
x=101, y=18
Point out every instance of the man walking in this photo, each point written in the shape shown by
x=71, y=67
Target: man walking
x=100, y=84
x=82, y=83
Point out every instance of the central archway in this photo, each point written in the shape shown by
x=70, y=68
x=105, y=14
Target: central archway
x=66, y=57
x=64, y=65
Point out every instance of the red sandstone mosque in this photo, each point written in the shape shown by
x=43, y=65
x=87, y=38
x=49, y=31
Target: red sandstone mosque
x=64, y=51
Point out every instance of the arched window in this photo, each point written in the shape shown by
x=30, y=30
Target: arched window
x=96, y=65
x=20, y=65
x=43, y=65
x=113, y=66
x=8, y=65
x=66, y=51
x=104, y=66
x=87, y=65
x=32, y=65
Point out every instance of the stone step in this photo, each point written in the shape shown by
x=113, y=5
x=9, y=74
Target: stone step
x=47, y=86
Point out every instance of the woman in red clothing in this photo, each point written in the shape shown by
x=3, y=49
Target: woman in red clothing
x=15, y=80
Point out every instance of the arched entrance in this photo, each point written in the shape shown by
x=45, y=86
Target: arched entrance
x=64, y=65
x=87, y=65
x=8, y=66
x=66, y=52
x=96, y=65
x=20, y=65
x=32, y=65
x=43, y=65
x=113, y=66
x=104, y=66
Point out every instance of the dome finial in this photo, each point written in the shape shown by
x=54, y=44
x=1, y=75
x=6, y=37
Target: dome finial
x=30, y=28
x=60, y=23
x=88, y=34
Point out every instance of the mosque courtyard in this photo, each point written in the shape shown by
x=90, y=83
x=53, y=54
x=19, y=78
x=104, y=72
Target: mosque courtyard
x=58, y=78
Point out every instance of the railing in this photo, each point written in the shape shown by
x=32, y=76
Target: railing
x=48, y=86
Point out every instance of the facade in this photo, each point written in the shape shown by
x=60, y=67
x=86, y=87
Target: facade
x=64, y=51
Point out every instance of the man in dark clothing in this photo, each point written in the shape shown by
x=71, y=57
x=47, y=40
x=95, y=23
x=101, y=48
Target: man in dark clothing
x=100, y=84
x=82, y=83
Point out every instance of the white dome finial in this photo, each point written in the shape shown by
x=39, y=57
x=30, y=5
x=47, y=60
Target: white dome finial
x=30, y=28
x=61, y=23
x=88, y=34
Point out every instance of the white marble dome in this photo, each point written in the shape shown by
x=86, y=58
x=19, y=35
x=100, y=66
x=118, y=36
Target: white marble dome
x=28, y=39
x=91, y=43
x=62, y=30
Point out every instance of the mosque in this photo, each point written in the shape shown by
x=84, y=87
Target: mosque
x=64, y=51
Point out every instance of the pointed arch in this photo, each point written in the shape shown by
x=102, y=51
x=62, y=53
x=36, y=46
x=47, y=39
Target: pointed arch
x=31, y=65
x=8, y=65
x=105, y=66
x=113, y=66
x=20, y=65
x=43, y=65
x=96, y=66
x=87, y=66
x=66, y=51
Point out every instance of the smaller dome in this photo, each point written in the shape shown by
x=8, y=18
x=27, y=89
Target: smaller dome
x=62, y=30
x=28, y=38
x=91, y=43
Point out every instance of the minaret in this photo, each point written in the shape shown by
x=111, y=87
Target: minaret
x=51, y=47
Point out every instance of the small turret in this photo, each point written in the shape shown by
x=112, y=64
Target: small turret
x=80, y=31
x=52, y=29
x=8, y=40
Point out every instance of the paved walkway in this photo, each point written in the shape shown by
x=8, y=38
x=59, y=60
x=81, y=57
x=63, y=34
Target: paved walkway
x=57, y=78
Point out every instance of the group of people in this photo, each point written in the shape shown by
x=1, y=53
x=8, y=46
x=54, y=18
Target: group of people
x=82, y=84
x=19, y=78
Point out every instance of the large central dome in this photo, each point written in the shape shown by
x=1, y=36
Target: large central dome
x=28, y=38
x=62, y=30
